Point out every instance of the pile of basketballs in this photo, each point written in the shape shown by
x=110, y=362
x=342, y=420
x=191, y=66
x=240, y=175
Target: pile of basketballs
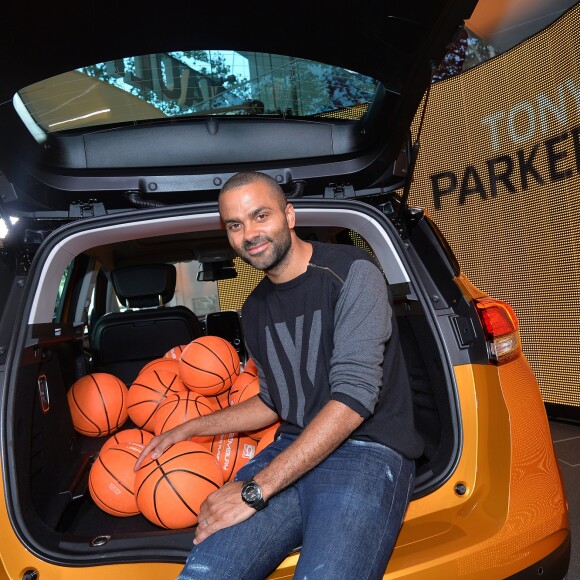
x=188, y=382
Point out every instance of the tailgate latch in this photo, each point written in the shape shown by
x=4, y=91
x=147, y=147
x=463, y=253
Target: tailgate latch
x=339, y=191
x=86, y=209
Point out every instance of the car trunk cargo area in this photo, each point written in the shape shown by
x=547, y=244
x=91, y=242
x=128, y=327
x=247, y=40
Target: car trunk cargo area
x=50, y=502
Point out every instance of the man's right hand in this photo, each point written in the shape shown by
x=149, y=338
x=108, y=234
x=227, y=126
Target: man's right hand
x=160, y=443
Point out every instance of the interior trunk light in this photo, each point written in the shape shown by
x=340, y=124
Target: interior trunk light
x=500, y=326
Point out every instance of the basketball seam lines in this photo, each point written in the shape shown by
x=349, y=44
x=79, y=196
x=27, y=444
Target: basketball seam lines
x=102, y=402
x=114, y=476
x=84, y=415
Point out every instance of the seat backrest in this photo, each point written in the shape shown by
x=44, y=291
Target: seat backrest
x=123, y=342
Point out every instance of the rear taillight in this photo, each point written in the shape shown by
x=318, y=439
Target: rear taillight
x=500, y=326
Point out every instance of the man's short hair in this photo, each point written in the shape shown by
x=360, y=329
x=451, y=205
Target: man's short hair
x=246, y=177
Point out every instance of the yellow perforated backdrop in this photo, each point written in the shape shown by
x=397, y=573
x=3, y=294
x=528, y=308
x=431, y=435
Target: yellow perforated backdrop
x=499, y=172
x=233, y=293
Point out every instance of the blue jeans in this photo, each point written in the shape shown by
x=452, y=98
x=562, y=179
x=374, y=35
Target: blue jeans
x=345, y=514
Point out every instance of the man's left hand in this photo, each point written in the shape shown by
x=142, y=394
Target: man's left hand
x=221, y=509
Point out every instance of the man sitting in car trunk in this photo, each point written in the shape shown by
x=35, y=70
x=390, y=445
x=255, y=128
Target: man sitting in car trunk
x=338, y=478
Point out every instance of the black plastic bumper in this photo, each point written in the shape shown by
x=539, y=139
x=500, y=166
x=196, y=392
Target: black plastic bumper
x=553, y=567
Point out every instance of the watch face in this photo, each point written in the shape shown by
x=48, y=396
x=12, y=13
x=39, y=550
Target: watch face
x=252, y=492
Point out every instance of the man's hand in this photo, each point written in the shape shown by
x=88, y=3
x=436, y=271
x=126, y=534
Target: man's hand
x=248, y=415
x=160, y=443
x=225, y=507
x=221, y=509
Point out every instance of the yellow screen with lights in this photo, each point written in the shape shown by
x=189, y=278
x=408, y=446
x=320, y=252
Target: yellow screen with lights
x=499, y=172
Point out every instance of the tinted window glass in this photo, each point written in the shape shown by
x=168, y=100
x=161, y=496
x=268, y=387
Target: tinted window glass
x=189, y=83
x=62, y=288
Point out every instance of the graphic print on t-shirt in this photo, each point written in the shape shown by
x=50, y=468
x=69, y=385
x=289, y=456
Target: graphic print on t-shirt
x=293, y=354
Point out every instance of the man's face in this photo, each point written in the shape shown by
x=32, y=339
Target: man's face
x=258, y=229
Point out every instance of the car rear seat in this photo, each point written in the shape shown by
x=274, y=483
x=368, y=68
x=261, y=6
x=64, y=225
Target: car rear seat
x=123, y=342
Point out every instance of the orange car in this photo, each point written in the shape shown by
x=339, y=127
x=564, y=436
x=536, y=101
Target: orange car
x=112, y=169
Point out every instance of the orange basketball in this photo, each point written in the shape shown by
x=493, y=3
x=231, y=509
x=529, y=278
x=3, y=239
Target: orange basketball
x=150, y=389
x=163, y=363
x=218, y=402
x=268, y=435
x=171, y=488
x=209, y=365
x=178, y=409
x=233, y=451
x=259, y=433
x=205, y=440
x=127, y=436
x=251, y=367
x=112, y=479
x=245, y=387
x=175, y=352
x=98, y=404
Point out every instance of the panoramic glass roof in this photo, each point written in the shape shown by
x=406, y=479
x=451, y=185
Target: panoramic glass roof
x=190, y=83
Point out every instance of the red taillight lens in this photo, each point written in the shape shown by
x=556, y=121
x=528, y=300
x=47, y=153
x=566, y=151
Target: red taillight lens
x=497, y=317
x=500, y=326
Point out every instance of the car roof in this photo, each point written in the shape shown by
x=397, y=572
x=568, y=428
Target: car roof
x=396, y=43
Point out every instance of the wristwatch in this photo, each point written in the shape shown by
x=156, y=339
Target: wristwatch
x=253, y=496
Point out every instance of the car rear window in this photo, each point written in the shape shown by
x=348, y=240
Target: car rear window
x=189, y=83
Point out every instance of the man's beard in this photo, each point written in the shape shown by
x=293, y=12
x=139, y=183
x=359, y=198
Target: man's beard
x=276, y=253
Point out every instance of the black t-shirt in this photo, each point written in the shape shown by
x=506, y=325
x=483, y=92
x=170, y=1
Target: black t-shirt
x=330, y=334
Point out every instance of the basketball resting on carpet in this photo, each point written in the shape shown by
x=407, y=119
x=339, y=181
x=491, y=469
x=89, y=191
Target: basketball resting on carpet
x=209, y=365
x=98, y=404
x=127, y=436
x=112, y=479
x=178, y=409
x=233, y=451
x=171, y=488
x=150, y=389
